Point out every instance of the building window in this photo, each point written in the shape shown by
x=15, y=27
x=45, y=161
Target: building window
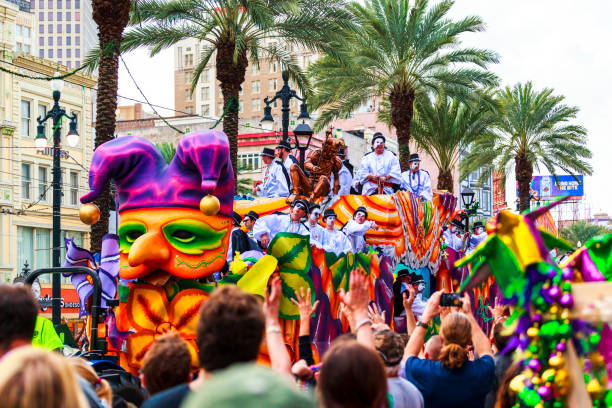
x=59, y=40
x=188, y=77
x=41, y=16
x=255, y=69
x=206, y=110
x=42, y=253
x=42, y=183
x=68, y=4
x=69, y=63
x=18, y=30
x=50, y=29
x=68, y=40
x=68, y=53
x=77, y=27
x=77, y=53
x=255, y=86
x=255, y=105
x=188, y=60
x=59, y=16
x=26, y=181
x=49, y=40
x=68, y=28
x=41, y=53
x=59, y=4
x=41, y=4
x=189, y=110
x=273, y=66
x=241, y=107
x=41, y=41
x=206, y=92
x=50, y=16
x=248, y=161
x=74, y=188
x=42, y=112
x=68, y=16
x=220, y=108
x=59, y=31
x=25, y=246
x=77, y=41
x=220, y=93
x=206, y=75
x=187, y=95
x=41, y=28
x=59, y=52
x=77, y=64
x=77, y=16
x=26, y=48
x=272, y=84
x=50, y=53
x=77, y=4
x=25, y=118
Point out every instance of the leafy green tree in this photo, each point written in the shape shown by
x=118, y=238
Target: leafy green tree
x=403, y=48
x=236, y=32
x=168, y=150
x=533, y=130
x=582, y=231
x=445, y=127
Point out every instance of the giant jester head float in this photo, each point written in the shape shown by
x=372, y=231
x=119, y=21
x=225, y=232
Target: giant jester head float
x=176, y=217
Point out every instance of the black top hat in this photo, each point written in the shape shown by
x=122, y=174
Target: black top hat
x=478, y=224
x=378, y=135
x=361, y=209
x=301, y=203
x=252, y=215
x=284, y=144
x=414, y=278
x=267, y=151
x=414, y=157
x=313, y=206
x=457, y=223
x=403, y=270
x=341, y=153
x=329, y=213
x=236, y=217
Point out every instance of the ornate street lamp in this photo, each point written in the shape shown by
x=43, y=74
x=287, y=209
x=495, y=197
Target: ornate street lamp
x=467, y=197
x=56, y=114
x=285, y=95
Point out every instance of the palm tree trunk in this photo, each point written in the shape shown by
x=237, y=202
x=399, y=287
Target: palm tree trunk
x=524, y=172
x=402, y=111
x=231, y=75
x=445, y=180
x=111, y=16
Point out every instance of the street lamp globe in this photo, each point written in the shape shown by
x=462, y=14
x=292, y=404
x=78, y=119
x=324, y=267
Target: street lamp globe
x=73, y=135
x=467, y=196
x=304, y=117
x=41, y=140
x=267, y=122
x=57, y=85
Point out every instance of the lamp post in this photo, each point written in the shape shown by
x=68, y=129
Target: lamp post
x=56, y=114
x=467, y=197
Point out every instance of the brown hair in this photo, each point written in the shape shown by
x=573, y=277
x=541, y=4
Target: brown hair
x=456, y=333
x=352, y=375
x=230, y=329
x=166, y=364
x=32, y=378
x=18, y=311
x=86, y=372
x=506, y=398
x=500, y=337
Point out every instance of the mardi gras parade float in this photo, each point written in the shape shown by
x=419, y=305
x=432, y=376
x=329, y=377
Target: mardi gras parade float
x=174, y=239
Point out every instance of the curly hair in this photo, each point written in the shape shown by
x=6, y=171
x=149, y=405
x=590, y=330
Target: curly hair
x=456, y=333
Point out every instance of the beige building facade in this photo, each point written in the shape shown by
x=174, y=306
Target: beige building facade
x=26, y=171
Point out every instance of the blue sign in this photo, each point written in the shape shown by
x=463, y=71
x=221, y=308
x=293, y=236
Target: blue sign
x=545, y=187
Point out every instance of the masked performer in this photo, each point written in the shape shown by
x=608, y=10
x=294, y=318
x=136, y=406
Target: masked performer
x=333, y=240
x=316, y=230
x=239, y=241
x=417, y=181
x=356, y=228
x=276, y=179
x=267, y=227
x=380, y=170
x=478, y=236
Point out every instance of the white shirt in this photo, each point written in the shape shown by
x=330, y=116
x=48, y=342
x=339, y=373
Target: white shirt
x=452, y=240
x=385, y=164
x=274, y=223
x=230, y=250
x=355, y=233
x=274, y=182
x=476, y=239
x=334, y=241
x=287, y=163
x=316, y=232
x=418, y=183
x=346, y=180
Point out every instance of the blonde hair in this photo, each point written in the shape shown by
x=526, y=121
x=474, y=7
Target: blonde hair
x=456, y=333
x=32, y=378
x=86, y=372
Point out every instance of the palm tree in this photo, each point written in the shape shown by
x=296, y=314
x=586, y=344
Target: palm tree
x=111, y=16
x=582, y=231
x=236, y=31
x=401, y=50
x=445, y=127
x=534, y=129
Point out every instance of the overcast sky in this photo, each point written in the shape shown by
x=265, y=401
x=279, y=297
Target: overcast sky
x=563, y=44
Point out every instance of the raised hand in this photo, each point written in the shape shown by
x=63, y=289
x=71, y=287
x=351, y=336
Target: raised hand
x=272, y=301
x=303, y=302
x=407, y=300
x=497, y=311
x=357, y=298
x=375, y=315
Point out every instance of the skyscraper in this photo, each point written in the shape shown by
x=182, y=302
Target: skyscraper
x=66, y=30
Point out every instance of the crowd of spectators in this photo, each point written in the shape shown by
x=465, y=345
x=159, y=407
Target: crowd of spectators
x=371, y=366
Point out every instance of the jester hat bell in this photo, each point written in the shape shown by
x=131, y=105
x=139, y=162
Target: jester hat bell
x=200, y=167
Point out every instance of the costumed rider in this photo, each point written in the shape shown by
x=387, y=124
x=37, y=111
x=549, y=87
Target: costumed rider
x=316, y=230
x=478, y=236
x=345, y=174
x=267, y=227
x=333, y=240
x=417, y=181
x=283, y=152
x=356, y=228
x=239, y=240
x=418, y=306
x=249, y=222
x=453, y=236
x=379, y=172
x=276, y=179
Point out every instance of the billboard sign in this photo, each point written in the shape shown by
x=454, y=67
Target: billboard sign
x=545, y=187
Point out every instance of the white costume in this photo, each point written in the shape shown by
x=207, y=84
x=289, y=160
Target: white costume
x=274, y=223
x=452, y=240
x=316, y=232
x=334, y=241
x=355, y=233
x=274, y=183
x=385, y=164
x=346, y=180
x=418, y=183
x=476, y=239
x=287, y=163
